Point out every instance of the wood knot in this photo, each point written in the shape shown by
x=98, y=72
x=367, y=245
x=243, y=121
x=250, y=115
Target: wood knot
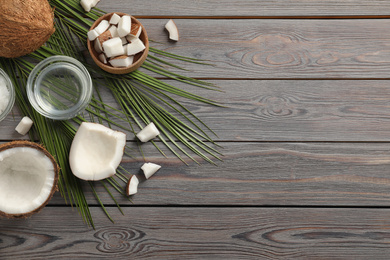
x=116, y=239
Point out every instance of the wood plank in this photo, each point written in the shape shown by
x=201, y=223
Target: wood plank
x=201, y=233
x=268, y=49
x=285, y=110
x=248, y=8
x=333, y=174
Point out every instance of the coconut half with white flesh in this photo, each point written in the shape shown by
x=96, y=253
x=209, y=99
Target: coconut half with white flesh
x=28, y=178
x=96, y=151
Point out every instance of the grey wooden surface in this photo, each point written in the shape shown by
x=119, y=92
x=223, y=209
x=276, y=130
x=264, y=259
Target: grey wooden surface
x=305, y=137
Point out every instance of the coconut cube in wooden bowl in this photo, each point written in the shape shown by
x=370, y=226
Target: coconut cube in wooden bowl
x=118, y=43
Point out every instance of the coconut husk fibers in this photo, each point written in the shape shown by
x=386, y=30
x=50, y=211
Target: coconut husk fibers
x=29, y=144
x=25, y=25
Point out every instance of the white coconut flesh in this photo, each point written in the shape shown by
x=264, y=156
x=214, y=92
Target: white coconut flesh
x=27, y=177
x=96, y=151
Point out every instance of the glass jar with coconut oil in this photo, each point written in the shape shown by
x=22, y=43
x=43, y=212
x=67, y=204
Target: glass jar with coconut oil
x=7, y=95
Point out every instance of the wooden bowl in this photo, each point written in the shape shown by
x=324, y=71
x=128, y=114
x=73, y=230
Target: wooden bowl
x=139, y=58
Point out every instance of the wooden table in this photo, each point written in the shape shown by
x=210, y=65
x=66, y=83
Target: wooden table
x=305, y=136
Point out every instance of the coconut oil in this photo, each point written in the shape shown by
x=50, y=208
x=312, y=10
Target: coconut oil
x=4, y=94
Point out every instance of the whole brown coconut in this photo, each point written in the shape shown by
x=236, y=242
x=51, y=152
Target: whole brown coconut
x=25, y=25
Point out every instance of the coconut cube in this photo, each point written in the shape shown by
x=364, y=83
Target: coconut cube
x=124, y=40
x=148, y=133
x=124, y=26
x=98, y=47
x=130, y=38
x=102, y=27
x=135, y=47
x=92, y=35
x=24, y=125
x=149, y=169
x=114, y=31
x=103, y=58
x=105, y=36
x=136, y=30
x=113, y=47
x=115, y=19
x=122, y=61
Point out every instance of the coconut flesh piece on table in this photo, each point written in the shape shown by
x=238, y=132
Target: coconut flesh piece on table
x=172, y=29
x=148, y=133
x=132, y=185
x=28, y=178
x=25, y=26
x=88, y=4
x=149, y=169
x=96, y=151
x=24, y=125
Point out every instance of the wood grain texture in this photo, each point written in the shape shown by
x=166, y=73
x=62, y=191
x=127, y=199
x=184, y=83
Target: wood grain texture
x=248, y=8
x=284, y=110
x=201, y=233
x=269, y=49
x=293, y=174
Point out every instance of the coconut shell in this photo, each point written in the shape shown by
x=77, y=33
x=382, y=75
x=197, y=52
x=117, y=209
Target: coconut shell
x=25, y=25
x=29, y=144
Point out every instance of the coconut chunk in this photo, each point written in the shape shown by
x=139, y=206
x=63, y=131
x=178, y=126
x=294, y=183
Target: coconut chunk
x=148, y=133
x=149, y=169
x=98, y=47
x=105, y=36
x=132, y=185
x=130, y=38
x=96, y=151
x=172, y=29
x=102, y=27
x=135, y=46
x=92, y=35
x=103, y=58
x=88, y=4
x=24, y=125
x=114, y=31
x=115, y=19
x=124, y=40
x=124, y=26
x=28, y=178
x=136, y=30
x=113, y=47
x=122, y=61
